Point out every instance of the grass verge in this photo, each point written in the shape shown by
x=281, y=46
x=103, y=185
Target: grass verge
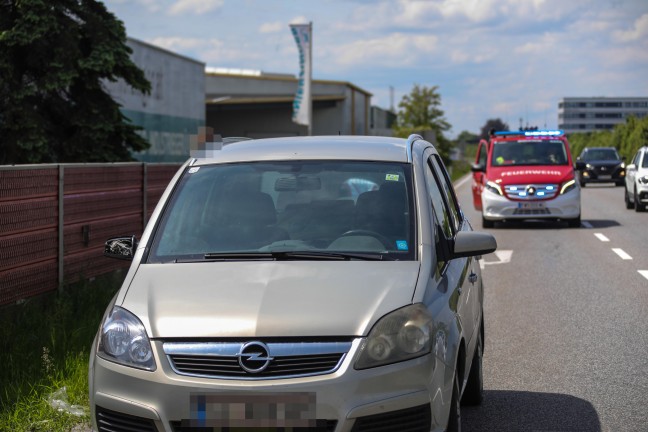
x=44, y=350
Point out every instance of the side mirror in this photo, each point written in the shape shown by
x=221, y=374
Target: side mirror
x=579, y=165
x=477, y=167
x=121, y=248
x=473, y=243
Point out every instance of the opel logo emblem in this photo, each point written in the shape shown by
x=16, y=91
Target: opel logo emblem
x=531, y=190
x=254, y=357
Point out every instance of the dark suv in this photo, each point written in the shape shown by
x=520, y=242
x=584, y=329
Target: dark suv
x=600, y=165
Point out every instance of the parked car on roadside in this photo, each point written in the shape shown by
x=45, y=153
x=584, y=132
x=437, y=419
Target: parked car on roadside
x=636, y=181
x=523, y=175
x=263, y=293
x=600, y=165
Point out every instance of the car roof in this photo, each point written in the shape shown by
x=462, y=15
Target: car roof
x=373, y=148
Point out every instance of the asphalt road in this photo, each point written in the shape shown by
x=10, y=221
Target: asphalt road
x=566, y=314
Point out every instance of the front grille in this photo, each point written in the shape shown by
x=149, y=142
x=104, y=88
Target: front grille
x=416, y=419
x=531, y=212
x=224, y=360
x=111, y=421
x=322, y=426
x=531, y=191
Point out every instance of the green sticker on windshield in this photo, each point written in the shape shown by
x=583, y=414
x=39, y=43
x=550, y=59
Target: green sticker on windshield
x=391, y=177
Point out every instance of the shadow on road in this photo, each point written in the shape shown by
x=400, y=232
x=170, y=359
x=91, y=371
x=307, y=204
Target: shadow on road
x=532, y=224
x=517, y=411
x=603, y=223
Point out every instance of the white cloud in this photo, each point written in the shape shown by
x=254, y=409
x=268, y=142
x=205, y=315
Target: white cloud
x=639, y=31
x=396, y=49
x=177, y=43
x=299, y=20
x=273, y=27
x=194, y=6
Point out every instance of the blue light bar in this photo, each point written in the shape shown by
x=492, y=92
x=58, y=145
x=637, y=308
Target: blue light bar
x=531, y=133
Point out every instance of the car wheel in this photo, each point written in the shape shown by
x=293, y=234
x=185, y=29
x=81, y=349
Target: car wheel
x=583, y=184
x=620, y=183
x=487, y=223
x=474, y=391
x=639, y=207
x=454, y=417
x=626, y=198
x=574, y=223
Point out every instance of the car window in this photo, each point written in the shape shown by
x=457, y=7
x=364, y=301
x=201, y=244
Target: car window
x=645, y=160
x=329, y=206
x=600, y=155
x=448, y=191
x=529, y=152
x=483, y=153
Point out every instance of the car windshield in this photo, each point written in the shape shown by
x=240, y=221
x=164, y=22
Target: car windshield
x=600, y=155
x=268, y=210
x=529, y=152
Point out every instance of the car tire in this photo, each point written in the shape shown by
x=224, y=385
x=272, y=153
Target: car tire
x=574, y=223
x=583, y=184
x=474, y=392
x=626, y=198
x=620, y=183
x=639, y=207
x=454, y=417
x=487, y=223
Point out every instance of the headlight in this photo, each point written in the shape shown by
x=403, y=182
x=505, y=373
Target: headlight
x=588, y=166
x=643, y=180
x=123, y=340
x=400, y=335
x=571, y=184
x=494, y=187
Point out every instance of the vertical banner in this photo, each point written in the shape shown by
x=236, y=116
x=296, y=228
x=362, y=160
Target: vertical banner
x=302, y=105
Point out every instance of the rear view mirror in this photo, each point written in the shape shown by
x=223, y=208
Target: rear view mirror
x=476, y=167
x=121, y=248
x=473, y=243
x=300, y=183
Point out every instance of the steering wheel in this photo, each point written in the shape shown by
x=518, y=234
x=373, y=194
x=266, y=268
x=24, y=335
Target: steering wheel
x=360, y=232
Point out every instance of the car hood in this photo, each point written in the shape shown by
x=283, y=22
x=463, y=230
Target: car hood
x=605, y=163
x=539, y=174
x=268, y=299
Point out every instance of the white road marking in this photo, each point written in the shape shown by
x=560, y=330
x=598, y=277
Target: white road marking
x=503, y=256
x=643, y=273
x=601, y=237
x=621, y=253
x=462, y=181
x=587, y=224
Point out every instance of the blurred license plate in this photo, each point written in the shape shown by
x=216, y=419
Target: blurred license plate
x=531, y=205
x=258, y=411
x=605, y=177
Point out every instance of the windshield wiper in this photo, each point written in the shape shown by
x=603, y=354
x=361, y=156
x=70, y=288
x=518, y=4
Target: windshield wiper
x=292, y=255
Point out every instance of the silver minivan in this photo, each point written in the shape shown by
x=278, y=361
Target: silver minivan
x=323, y=283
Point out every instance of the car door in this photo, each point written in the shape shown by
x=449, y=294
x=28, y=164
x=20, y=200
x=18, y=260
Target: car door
x=631, y=173
x=479, y=175
x=458, y=272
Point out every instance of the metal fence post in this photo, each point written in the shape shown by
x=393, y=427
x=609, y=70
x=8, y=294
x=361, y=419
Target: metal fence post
x=61, y=225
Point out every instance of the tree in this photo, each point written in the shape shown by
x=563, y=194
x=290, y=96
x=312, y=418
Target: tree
x=420, y=112
x=496, y=124
x=54, y=56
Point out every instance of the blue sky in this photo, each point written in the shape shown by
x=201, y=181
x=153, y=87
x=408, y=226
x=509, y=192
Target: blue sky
x=507, y=59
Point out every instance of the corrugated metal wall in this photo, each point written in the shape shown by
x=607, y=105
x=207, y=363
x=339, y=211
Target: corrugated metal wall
x=54, y=220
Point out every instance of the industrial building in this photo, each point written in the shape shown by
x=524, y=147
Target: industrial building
x=186, y=95
x=589, y=114
x=175, y=107
x=254, y=104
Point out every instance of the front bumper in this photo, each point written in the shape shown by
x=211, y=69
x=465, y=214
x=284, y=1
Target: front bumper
x=160, y=401
x=642, y=192
x=497, y=207
x=598, y=176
